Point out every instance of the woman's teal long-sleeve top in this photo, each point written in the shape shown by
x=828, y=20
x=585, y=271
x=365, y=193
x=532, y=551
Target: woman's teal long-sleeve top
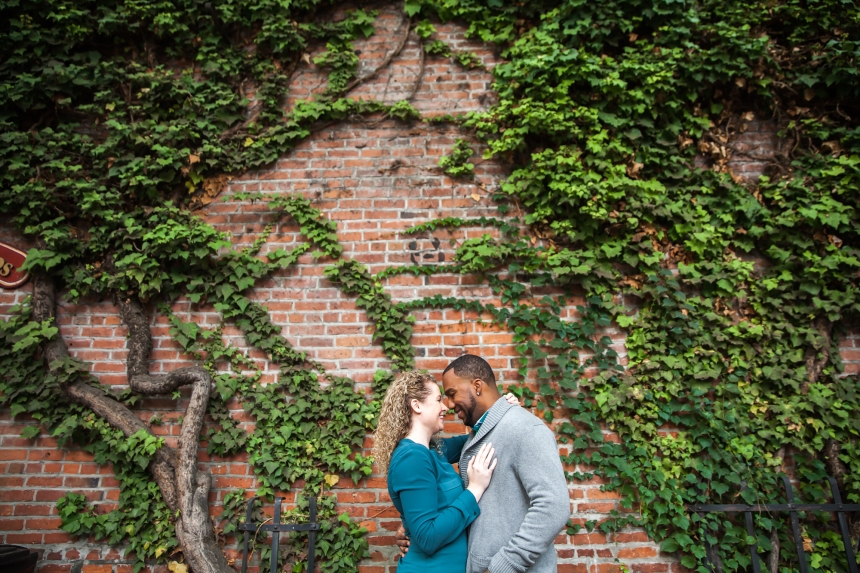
x=435, y=508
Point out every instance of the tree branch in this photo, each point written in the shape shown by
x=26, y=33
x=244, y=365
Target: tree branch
x=358, y=81
x=183, y=487
x=194, y=527
x=114, y=413
x=773, y=556
x=814, y=364
x=834, y=464
x=420, y=78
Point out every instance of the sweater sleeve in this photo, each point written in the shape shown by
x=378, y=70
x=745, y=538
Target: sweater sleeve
x=453, y=447
x=539, y=470
x=413, y=477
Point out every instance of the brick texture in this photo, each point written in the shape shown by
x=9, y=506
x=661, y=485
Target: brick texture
x=373, y=177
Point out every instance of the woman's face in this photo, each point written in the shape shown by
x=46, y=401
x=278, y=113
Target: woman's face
x=432, y=414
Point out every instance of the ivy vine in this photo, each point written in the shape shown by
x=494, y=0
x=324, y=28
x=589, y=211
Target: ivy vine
x=117, y=118
x=742, y=289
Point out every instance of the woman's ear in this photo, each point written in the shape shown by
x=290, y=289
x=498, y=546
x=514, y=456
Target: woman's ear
x=415, y=404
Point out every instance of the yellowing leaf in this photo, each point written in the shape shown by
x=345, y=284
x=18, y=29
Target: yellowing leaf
x=159, y=551
x=331, y=479
x=177, y=567
x=192, y=159
x=248, y=142
x=476, y=197
x=110, y=106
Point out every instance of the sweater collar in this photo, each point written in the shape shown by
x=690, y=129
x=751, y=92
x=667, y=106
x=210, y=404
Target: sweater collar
x=490, y=419
x=477, y=427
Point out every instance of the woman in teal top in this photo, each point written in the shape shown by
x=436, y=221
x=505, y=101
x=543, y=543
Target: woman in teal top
x=423, y=486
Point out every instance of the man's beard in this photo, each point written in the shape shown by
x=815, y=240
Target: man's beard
x=470, y=413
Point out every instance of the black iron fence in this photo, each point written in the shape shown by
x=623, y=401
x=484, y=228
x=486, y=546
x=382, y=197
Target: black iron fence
x=276, y=528
x=837, y=507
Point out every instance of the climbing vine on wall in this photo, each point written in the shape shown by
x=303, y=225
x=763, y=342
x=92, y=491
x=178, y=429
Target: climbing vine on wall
x=741, y=290
x=115, y=118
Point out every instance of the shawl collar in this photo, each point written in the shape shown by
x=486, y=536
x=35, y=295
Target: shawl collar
x=494, y=415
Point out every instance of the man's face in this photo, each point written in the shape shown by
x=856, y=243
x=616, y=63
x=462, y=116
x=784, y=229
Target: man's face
x=460, y=396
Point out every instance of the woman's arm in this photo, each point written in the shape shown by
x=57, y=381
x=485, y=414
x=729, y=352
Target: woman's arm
x=453, y=447
x=413, y=477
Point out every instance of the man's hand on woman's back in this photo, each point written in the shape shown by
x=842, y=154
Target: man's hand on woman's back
x=402, y=541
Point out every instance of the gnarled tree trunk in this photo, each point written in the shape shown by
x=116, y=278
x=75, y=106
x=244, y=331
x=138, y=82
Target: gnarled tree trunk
x=184, y=487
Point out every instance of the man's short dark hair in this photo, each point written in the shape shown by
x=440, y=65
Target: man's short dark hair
x=470, y=367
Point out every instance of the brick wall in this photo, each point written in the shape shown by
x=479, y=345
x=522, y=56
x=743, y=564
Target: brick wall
x=374, y=177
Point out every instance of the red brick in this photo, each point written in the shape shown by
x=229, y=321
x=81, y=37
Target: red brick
x=588, y=538
x=597, y=494
x=16, y=495
x=23, y=538
x=55, y=538
x=11, y=524
x=44, y=523
x=631, y=537
x=636, y=552
x=46, y=481
x=356, y=497
x=649, y=567
x=595, y=507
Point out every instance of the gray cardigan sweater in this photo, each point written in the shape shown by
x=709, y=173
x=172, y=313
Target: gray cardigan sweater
x=527, y=503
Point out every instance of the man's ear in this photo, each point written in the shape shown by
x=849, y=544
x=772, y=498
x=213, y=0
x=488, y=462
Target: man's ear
x=478, y=386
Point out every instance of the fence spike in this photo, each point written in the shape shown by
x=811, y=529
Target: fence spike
x=843, y=527
x=248, y=515
x=312, y=536
x=795, y=526
x=276, y=537
x=754, y=546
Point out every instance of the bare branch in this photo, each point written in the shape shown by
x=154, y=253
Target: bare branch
x=194, y=527
x=835, y=466
x=358, y=81
x=183, y=487
x=420, y=78
x=255, y=110
x=116, y=414
x=773, y=557
x=814, y=363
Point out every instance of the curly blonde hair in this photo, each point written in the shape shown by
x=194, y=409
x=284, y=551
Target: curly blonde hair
x=395, y=417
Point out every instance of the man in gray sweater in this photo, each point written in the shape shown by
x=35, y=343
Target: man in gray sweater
x=527, y=503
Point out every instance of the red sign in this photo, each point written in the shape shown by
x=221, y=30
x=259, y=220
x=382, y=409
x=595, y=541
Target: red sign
x=11, y=259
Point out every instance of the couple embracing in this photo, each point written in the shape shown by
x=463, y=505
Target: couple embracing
x=502, y=511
